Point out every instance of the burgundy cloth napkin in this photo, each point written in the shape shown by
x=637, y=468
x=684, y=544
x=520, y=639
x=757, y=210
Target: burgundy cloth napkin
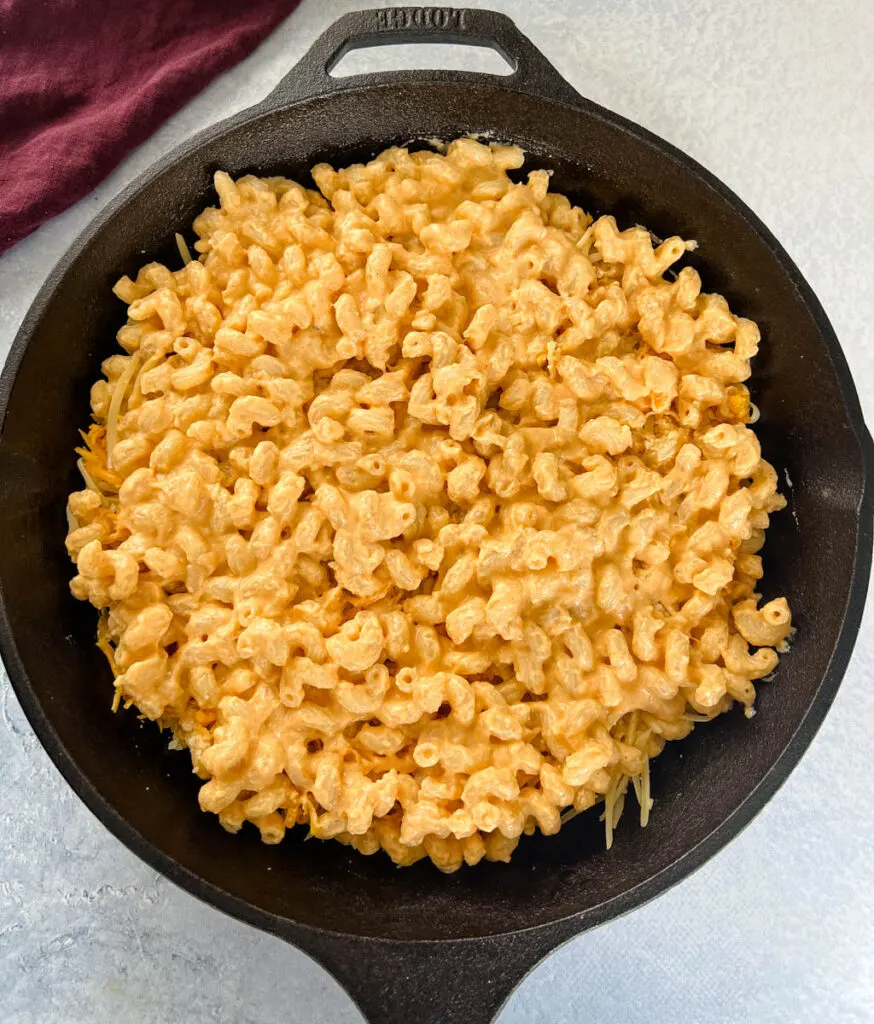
x=82, y=82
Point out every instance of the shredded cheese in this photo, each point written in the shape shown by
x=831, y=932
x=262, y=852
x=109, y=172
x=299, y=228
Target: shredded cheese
x=614, y=804
x=109, y=652
x=118, y=395
x=614, y=799
x=89, y=480
x=184, y=251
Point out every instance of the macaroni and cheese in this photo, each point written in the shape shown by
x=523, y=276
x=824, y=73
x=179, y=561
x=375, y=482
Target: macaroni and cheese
x=422, y=508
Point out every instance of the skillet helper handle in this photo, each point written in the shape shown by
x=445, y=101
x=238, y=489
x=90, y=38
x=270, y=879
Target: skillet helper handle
x=447, y=982
x=532, y=72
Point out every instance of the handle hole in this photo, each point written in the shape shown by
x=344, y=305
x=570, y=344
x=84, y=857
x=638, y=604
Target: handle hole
x=420, y=57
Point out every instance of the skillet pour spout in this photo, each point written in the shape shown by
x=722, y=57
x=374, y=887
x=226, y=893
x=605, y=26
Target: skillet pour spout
x=414, y=945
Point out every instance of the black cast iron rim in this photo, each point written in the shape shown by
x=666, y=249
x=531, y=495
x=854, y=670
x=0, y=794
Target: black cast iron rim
x=783, y=765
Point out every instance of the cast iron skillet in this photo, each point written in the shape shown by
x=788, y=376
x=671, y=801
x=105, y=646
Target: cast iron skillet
x=413, y=944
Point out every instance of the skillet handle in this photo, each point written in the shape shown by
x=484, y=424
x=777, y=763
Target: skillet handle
x=447, y=982
x=532, y=72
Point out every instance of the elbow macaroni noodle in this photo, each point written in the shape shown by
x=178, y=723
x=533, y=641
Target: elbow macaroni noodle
x=422, y=508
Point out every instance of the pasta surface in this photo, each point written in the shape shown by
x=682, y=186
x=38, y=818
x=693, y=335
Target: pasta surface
x=422, y=508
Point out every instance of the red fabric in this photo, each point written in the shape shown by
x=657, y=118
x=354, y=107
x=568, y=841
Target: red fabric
x=82, y=82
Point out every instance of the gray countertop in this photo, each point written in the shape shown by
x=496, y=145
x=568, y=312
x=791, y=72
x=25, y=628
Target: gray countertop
x=775, y=98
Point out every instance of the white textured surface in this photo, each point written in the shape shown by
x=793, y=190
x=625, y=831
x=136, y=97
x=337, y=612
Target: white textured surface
x=775, y=98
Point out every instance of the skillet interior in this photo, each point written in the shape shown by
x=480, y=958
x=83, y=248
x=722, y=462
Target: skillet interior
x=148, y=796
